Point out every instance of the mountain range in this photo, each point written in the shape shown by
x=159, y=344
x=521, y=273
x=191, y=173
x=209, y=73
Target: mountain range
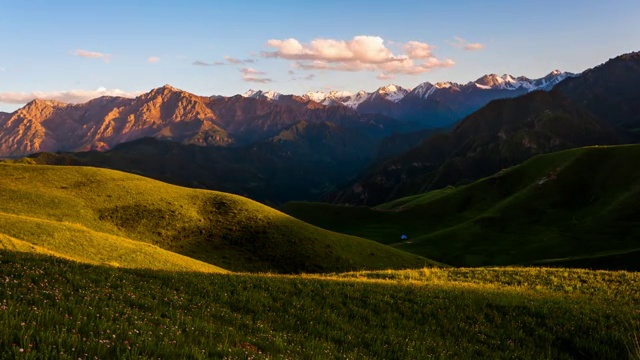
x=167, y=113
x=429, y=105
x=176, y=115
x=277, y=148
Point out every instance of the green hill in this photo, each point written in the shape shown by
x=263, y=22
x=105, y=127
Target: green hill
x=53, y=308
x=571, y=204
x=105, y=216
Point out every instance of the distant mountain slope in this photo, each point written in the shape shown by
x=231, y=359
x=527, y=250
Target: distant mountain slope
x=576, y=204
x=105, y=122
x=250, y=119
x=84, y=212
x=502, y=134
x=611, y=91
x=302, y=162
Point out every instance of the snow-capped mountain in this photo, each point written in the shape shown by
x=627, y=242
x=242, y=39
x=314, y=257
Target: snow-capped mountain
x=391, y=92
x=553, y=78
x=428, y=104
x=495, y=82
x=396, y=94
x=259, y=94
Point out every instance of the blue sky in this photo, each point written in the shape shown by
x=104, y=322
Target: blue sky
x=69, y=49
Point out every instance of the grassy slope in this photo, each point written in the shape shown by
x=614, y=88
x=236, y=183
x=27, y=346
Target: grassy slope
x=580, y=202
x=53, y=308
x=101, y=216
x=79, y=243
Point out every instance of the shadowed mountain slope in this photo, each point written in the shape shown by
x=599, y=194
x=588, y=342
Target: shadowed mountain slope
x=502, y=134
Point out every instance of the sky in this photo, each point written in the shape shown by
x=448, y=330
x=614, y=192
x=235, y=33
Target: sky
x=75, y=50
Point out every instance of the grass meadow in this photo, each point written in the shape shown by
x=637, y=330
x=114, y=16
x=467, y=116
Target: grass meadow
x=58, y=308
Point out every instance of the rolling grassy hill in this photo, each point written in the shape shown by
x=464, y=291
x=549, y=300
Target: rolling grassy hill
x=108, y=217
x=580, y=203
x=55, y=308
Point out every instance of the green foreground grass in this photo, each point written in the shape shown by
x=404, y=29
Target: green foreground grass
x=56, y=308
x=572, y=205
x=108, y=217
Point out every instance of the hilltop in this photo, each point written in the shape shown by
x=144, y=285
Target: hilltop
x=105, y=216
x=578, y=206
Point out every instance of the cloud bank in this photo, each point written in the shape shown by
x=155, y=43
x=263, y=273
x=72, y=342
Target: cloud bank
x=70, y=96
x=362, y=53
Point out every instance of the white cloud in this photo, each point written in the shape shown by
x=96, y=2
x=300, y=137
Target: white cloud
x=70, y=96
x=417, y=50
x=464, y=44
x=383, y=76
x=251, y=71
x=249, y=75
x=92, y=55
x=254, y=79
x=153, y=59
x=362, y=53
x=307, y=77
x=203, y=63
x=474, y=46
x=233, y=60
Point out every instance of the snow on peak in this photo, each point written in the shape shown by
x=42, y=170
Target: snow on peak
x=259, y=94
x=327, y=98
x=443, y=85
x=508, y=82
x=317, y=96
x=551, y=79
x=494, y=81
x=423, y=90
x=389, y=88
x=392, y=92
x=249, y=93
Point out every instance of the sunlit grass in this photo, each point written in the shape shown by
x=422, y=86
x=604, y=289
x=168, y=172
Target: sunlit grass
x=55, y=308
